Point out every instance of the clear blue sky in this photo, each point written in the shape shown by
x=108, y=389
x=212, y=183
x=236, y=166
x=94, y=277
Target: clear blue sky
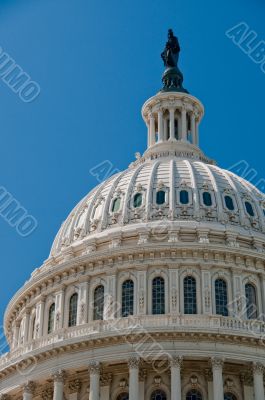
x=97, y=62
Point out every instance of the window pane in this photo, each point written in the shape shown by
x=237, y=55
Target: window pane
x=160, y=197
x=229, y=203
x=51, y=319
x=251, y=301
x=194, y=395
x=207, y=199
x=184, y=197
x=190, y=300
x=158, y=296
x=221, y=297
x=158, y=395
x=229, y=396
x=99, y=303
x=127, y=298
x=123, y=396
x=116, y=205
x=249, y=209
x=73, y=310
x=138, y=199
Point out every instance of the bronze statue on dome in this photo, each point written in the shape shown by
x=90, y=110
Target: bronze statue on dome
x=171, y=52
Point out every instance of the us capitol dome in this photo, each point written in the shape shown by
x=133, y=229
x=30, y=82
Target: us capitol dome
x=155, y=285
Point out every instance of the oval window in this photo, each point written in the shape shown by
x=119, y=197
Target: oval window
x=137, y=200
x=184, y=197
x=160, y=197
x=229, y=202
x=249, y=209
x=207, y=199
x=116, y=205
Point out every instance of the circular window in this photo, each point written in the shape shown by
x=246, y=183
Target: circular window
x=158, y=395
x=229, y=203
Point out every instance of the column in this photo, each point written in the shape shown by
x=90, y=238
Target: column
x=183, y=124
x=176, y=364
x=160, y=125
x=152, y=129
x=133, y=364
x=209, y=378
x=197, y=130
x=105, y=383
x=165, y=129
x=40, y=317
x=94, y=371
x=206, y=292
x=193, y=129
x=218, y=387
x=58, y=378
x=82, y=308
x=16, y=335
x=59, y=308
x=258, y=370
x=172, y=124
x=26, y=329
x=28, y=390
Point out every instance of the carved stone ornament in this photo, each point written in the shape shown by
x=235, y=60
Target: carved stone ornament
x=194, y=381
x=123, y=383
x=47, y=394
x=106, y=379
x=134, y=363
x=258, y=368
x=75, y=386
x=217, y=363
x=176, y=362
x=29, y=387
x=157, y=381
x=94, y=368
x=59, y=376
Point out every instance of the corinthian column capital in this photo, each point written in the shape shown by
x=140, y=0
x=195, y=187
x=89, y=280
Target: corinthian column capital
x=94, y=367
x=134, y=362
x=258, y=368
x=176, y=362
x=59, y=376
x=217, y=363
x=29, y=387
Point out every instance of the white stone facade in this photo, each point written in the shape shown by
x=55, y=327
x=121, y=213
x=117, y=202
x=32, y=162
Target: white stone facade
x=174, y=248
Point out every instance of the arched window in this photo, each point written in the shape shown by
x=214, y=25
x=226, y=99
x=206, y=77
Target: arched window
x=116, y=205
x=229, y=203
x=249, y=208
x=207, y=199
x=251, y=301
x=160, y=197
x=127, y=298
x=73, y=310
x=123, y=396
x=99, y=303
x=158, y=395
x=221, y=297
x=190, y=295
x=184, y=197
x=137, y=200
x=229, y=396
x=158, y=296
x=193, y=395
x=51, y=318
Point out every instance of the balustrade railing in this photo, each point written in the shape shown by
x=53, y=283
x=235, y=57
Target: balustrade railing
x=147, y=323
